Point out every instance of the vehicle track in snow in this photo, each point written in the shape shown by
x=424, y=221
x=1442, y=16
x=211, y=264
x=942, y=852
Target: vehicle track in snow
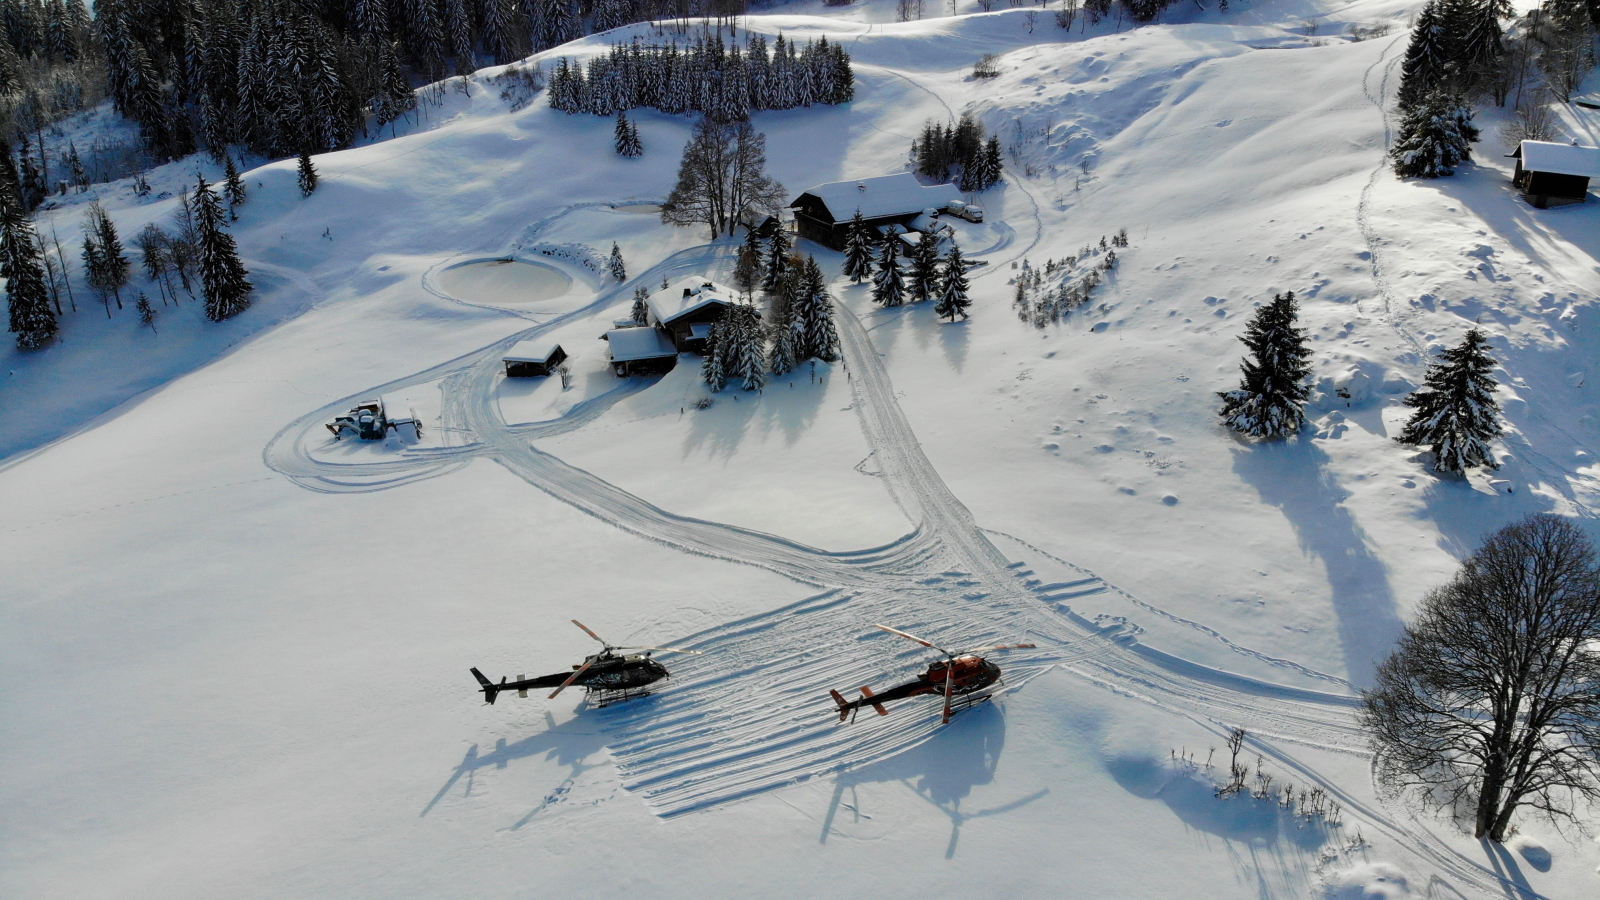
x=1380, y=277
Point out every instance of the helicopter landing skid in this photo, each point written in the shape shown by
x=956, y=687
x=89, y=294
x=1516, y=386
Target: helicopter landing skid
x=604, y=697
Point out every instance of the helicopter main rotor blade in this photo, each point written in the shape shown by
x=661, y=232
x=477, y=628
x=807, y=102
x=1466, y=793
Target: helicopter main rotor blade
x=949, y=688
x=581, y=669
x=590, y=633
x=663, y=650
x=911, y=637
x=1002, y=647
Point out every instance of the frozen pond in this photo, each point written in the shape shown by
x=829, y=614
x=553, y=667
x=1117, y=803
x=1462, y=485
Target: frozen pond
x=503, y=282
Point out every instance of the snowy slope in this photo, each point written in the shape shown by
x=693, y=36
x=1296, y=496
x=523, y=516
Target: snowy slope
x=234, y=654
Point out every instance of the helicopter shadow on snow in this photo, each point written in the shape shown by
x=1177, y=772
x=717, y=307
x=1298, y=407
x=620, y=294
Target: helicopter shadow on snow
x=571, y=744
x=942, y=770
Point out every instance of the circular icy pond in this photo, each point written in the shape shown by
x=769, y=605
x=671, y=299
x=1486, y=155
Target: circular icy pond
x=504, y=282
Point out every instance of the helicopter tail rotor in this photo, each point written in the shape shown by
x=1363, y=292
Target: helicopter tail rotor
x=489, y=688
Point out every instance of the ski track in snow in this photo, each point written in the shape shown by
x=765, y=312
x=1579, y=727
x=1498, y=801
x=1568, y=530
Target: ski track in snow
x=753, y=714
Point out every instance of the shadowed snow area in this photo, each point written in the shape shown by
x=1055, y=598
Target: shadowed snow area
x=234, y=652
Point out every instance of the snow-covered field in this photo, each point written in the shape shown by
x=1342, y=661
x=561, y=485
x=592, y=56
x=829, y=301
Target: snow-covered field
x=233, y=654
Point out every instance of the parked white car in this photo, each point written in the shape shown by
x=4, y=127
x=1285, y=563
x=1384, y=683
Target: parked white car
x=964, y=210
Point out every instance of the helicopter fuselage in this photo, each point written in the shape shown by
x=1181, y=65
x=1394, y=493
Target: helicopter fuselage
x=970, y=675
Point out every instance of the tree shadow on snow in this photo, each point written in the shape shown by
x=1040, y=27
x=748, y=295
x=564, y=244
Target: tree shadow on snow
x=1546, y=236
x=942, y=771
x=1271, y=845
x=1504, y=865
x=791, y=402
x=1294, y=477
x=719, y=429
x=569, y=744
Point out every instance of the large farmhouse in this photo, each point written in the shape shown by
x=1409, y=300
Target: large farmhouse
x=1548, y=171
x=685, y=311
x=823, y=213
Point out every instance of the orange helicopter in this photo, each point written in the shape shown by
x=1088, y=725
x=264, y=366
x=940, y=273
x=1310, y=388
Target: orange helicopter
x=963, y=677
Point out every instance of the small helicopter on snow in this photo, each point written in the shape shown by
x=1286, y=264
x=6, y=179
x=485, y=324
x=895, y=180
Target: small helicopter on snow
x=962, y=677
x=612, y=675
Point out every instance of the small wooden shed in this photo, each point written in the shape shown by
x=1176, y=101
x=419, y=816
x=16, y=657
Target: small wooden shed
x=641, y=351
x=535, y=357
x=1549, y=171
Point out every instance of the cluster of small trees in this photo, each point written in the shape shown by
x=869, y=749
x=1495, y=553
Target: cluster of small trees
x=1456, y=415
x=199, y=249
x=925, y=275
x=799, y=322
x=1309, y=804
x=1043, y=300
x=724, y=82
x=960, y=147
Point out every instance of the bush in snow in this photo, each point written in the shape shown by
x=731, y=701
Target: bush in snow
x=1456, y=414
x=1270, y=401
x=1436, y=135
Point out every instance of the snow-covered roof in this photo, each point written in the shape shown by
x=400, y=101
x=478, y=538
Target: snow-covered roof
x=685, y=296
x=632, y=344
x=885, y=195
x=1560, y=159
x=538, y=350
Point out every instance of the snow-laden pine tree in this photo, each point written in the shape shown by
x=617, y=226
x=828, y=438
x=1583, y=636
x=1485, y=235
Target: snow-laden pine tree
x=858, y=250
x=233, y=187
x=781, y=358
x=27, y=297
x=777, y=259
x=816, y=335
x=746, y=360
x=888, y=282
x=1428, y=56
x=113, y=262
x=1456, y=414
x=227, y=286
x=618, y=268
x=307, y=175
x=925, y=268
x=640, y=313
x=714, y=370
x=1435, y=136
x=953, y=299
x=627, y=137
x=1270, y=400
x=992, y=166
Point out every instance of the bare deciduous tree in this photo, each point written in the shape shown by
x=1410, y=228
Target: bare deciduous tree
x=1491, y=701
x=722, y=178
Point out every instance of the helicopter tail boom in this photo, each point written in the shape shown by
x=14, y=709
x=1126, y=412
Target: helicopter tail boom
x=868, y=698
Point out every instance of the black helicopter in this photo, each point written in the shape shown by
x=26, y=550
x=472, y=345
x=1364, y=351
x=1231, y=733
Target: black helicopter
x=963, y=678
x=613, y=676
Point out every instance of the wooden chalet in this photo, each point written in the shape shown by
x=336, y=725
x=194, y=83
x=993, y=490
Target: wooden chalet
x=1549, y=171
x=536, y=357
x=823, y=213
x=685, y=311
x=641, y=351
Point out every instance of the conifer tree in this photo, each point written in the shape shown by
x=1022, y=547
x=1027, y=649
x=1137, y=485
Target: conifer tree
x=1435, y=136
x=747, y=271
x=308, y=174
x=858, y=250
x=113, y=263
x=745, y=360
x=992, y=165
x=1428, y=56
x=782, y=357
x=627, y=137
x=777, y=259
x=226, y=286
x=925, y=268
x=816, y=335
x=1270, y=400
x=888, y=282
x=953, y=299
x=1456, y=414
x=233, y=187
x=27, y=297
x=641, y=306
x=618, y=269
x=147, y=313
x=714, y=371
